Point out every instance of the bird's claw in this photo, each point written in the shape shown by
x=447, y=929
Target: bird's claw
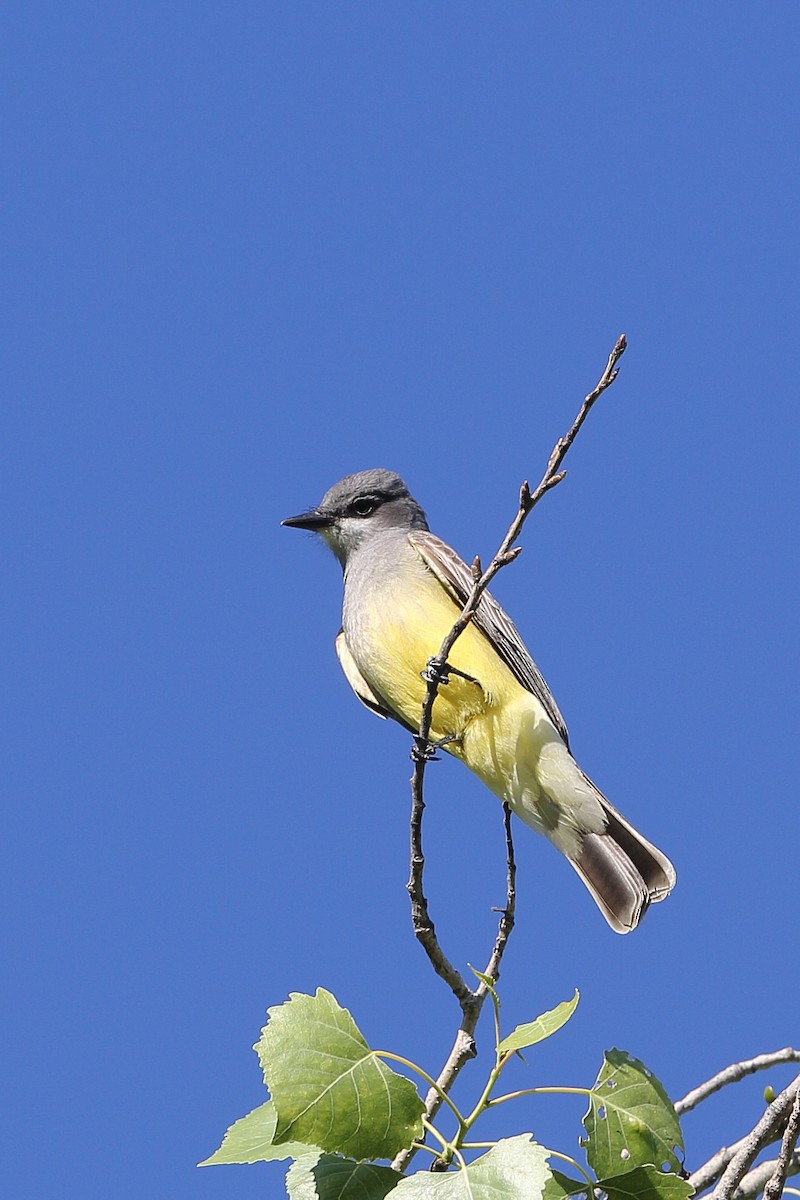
x=437, y=672
x=423, y=751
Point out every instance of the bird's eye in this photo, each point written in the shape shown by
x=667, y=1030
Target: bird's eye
x=363, y=506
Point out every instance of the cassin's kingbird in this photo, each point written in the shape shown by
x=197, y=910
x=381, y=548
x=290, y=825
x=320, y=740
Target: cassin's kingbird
x=403, y=590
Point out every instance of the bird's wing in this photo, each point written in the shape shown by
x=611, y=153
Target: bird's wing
x=357, y=681
x=456, y=577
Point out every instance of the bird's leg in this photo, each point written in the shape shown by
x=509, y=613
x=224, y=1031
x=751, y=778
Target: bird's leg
x=423, y=750
x=436, y=672
x=447, y=740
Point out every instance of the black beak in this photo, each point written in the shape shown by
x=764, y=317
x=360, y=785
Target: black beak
x=309, y=520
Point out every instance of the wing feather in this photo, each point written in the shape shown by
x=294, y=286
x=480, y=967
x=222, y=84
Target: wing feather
x=456, y=577
x=357, y=681
x=368, y=697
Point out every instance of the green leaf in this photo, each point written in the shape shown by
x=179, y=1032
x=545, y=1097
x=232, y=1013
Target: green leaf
x=515, y=1169
x=630, y=1122
x=329, y=1089
x=646, y=1183
x=543, y=1027
x=560, y=1186
x=249, y=1140
x=329, y=1177
x=486, y=980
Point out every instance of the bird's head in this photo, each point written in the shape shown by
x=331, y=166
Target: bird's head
x=358, y=507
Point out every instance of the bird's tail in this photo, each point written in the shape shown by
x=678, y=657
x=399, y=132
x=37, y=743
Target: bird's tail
x=623, y=871
x=535, y=773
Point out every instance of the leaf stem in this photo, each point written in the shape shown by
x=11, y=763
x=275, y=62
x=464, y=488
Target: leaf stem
x=443, y=1142
x=431, y=1082
x=573, y=1163
x=484, y=1100
x=462, y=1162
x=540, y=1091
x=425, y=1146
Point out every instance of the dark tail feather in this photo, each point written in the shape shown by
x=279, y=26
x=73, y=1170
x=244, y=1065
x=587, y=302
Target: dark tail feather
x=623, y=871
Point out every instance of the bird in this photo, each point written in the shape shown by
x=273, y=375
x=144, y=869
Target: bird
x=403, y=590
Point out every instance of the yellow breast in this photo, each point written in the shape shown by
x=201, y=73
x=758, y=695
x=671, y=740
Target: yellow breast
x=406, y=629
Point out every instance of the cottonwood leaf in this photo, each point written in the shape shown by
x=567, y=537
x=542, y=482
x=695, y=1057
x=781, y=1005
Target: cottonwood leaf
x=515, y=1169
x=329, y=1089
x=631, y=1121
x=487, y=981
x=646, y=1183
x=560, y=1186
x=249, y=1140
x=543, y=1027
x=329, y=1177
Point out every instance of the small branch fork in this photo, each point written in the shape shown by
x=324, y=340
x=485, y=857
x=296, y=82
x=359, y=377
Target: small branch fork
x=471, y=1000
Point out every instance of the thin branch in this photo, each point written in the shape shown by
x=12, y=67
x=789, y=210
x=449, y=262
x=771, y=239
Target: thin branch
x=774, y=1188
x=464, y=1045
x=775, y=1118
x=508, y=913
x=733, y=1074
x=754, y=1181
x=424, y=929
x=527, y=502
x=704, y=1176
x=422, y=750
x=471, y=1000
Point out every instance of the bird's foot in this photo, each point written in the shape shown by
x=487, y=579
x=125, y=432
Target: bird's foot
x=424, y=750
x=437, y=672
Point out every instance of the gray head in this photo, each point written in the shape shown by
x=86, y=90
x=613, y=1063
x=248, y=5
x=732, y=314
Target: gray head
x=358, y=507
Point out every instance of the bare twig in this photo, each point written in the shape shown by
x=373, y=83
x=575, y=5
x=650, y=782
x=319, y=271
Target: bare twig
x=733, y=1074
x=464, y=1045
x=507, y=915
x=753, y=1183
x=527, y=502
x=420, y=917
x=471, y=1000
x=774, y=1119
x=774, y=1188
x=705, y=1176
x=421, y=753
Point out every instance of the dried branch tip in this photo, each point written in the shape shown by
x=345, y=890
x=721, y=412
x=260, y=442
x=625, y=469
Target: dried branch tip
x=477, y=569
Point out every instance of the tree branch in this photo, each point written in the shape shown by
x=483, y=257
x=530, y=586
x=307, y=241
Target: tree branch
x=705, y=1176
x=471, y=1000
x=733, y=1074
x=773, y=1120
x=774, y=1188
x=753, y=1183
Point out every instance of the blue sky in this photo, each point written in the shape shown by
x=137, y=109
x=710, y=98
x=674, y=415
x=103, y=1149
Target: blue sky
x=245, y=251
